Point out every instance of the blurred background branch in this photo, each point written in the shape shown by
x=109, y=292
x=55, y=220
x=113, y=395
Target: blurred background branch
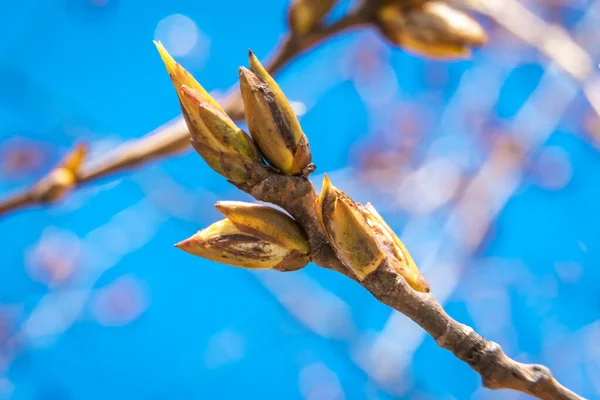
x=173, y=137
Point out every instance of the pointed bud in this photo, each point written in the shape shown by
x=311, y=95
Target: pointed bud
x=63, y=177
x=433, y=29
x=224, y=146
x=252, y=236
x=361, y=239
x=266, y=222
x=348, y=232
x=181, y=77
x=398, y=255
x=272, y=122
x=304, y=15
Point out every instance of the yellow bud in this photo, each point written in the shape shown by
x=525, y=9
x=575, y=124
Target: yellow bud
x=398, y=255
x=181, y=77
x=433, y=29
x=303, y=15
x=252, y=236
x=361, y=239
x=225, y=147
x=348, y=231
x=272, y=122
x=63, y=177
x=266, y=222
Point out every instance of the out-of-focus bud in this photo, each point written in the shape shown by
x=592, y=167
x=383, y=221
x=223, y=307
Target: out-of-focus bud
x=398, y=255
x=224, y=146
x=303, y=15
x=64, y=176
x=433, y=29
x=252, y=236
x=361, y=239
x=348, y=232
x=181, y=77
x=272, y=122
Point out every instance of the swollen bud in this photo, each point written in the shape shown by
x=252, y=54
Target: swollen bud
x=348, y=232
x=303, y=15
x=398, y=255
x=181, y=77
x=361, y=239
x=433, y=29
x=252, y=236
x=272, y=122
x=266, y=222
x=225, y=147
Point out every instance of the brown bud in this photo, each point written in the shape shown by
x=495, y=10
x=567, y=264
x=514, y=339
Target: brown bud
x=361, y=239
x=348, y=231
x=224, y=146
x=272, y=122
x=252, y=236
x=266, y=222
x=398, y=255
x=433, y=29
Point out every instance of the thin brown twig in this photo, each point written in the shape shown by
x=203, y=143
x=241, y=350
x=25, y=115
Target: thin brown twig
x=173, y=137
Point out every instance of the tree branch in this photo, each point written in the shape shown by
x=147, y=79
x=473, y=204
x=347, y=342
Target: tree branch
x=173, y=137
x=498, y=371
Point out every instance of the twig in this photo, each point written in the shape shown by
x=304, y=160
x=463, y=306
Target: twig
x=173, y=137
x=297, y=196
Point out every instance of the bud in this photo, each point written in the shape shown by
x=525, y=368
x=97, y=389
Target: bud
x=64, y=176
x=252, y=236
x=303, y=15
x=225, y=147
x=348, y=232
x=361, y=239
x=272, y=122
x=398, y=255
x=433, y=29
x=267, y=222
x=181, y=77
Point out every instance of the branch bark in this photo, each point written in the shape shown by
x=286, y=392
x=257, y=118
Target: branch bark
x=498, y=371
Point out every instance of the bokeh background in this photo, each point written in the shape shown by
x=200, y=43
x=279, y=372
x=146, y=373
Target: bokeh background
x=487, y=168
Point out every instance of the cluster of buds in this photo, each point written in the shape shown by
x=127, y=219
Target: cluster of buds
x=260, y=237
x=252, y=236
x=361, y=239
x=304, y=15
x=432, y=29
x=227, y=149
